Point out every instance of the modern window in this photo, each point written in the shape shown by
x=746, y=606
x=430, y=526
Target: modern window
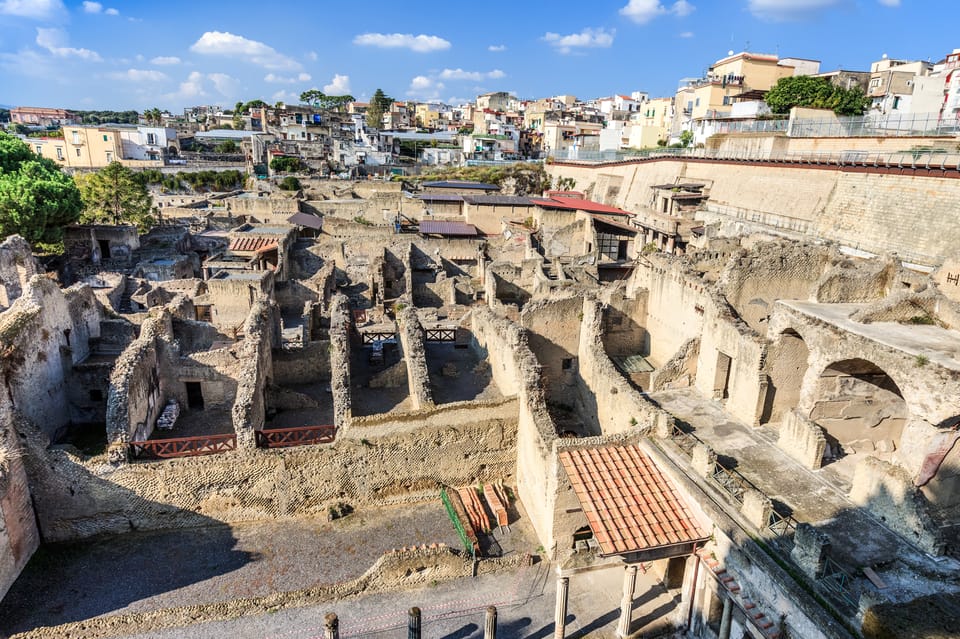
x=109, y=156
x=59, y=152
x=39, y=150
x=76, y=137
x=78, y=152
x=151, y=138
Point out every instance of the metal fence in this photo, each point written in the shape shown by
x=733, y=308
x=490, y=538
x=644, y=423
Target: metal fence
x=917, y=158
x=874, y=125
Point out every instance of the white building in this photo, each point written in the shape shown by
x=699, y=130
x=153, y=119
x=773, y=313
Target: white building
x=148, y=142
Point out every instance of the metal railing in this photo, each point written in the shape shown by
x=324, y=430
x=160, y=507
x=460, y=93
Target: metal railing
x=874, y=125
x=299, y=436
x=468, y=545
x=781, y=524
x=918, y=158
x=183, y=446
x=732, y=482
x=836, y=581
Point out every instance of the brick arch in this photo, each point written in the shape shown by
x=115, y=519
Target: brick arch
x=860, y=408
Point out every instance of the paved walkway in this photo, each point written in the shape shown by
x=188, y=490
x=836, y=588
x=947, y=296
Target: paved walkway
x=140, y=572
x=525, y=602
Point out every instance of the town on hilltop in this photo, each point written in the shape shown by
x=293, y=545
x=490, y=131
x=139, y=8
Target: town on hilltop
x=683, y=366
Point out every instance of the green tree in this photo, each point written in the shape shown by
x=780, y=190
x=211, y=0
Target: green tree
x=238, y=116
x=289, y=183
x=817, y=93
x=312, y=96
x=379, y=104
x=227, y=146
x=285, y=164
x=36, y=198
x=686, y=137
x=114, y=195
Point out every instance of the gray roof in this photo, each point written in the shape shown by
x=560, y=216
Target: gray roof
x=307, y=220
x=440, y=197
x=461, y=184
x=498, y=200
x=224, y=134
x=448, y=228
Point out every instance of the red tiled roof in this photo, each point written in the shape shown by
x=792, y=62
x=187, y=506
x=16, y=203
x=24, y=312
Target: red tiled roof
x=629, y=503
x=252, y=244
x=575, y=204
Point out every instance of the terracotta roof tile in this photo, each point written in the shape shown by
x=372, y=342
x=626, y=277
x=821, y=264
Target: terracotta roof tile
x=254, y=244
x=629, y=504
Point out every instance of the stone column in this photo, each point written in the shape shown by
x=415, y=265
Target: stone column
x=756, y=509
x=703, y=460
x=331, y=626
x=560, y=621
x=490, y=623
x=413, y=623
x=626, y=604
x=725, y=617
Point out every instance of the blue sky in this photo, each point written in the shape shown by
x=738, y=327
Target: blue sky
x=138, y=54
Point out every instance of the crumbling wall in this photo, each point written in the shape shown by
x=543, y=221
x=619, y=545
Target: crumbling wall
x=415, y=356
x=802, y=439
x=340, y=360
x=888, y=492
x=611, y=402
x=307, y=365
x=19, y=537
x=139, y=384
x=217, y=372
x=255, y=375
x=401, y=462
x=514, y=365
x=680, y=371
x=754, y=279
x=42, y=335
x=17, y=266
x=623, y=332
x=554, y=337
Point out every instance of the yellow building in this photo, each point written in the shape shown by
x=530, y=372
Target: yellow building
x=428, y=116
x=715, y=93
x=82, y=147
x=651, y=123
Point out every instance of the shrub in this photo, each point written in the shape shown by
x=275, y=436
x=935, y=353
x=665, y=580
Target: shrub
x=290, y=183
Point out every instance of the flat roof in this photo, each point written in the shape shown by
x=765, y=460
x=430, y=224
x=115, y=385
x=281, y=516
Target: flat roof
x=505, y=200
x=440, y=197
x=458, y=229
x=575, y=204
x=461, y=184
x=629, y=503
x=305, y=219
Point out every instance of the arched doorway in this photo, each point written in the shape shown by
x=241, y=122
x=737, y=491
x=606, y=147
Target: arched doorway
x=860, y=408
x=786, y=366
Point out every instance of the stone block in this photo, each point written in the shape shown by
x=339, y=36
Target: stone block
x=703, y=460
x=756, y=509
x=810, y=550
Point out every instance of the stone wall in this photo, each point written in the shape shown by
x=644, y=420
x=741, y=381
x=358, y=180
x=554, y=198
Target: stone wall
x=870, y=210
x=802, y=439
x=19, y=537
x=307, y=365
x=340, y=360
x=616, y=406
x=17, y=266
x=256, y=373
x=389, y=463
x=415, y=355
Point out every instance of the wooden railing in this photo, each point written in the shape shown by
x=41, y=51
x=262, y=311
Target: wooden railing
x=302, y=436
x=183, y=446
x=441, y=334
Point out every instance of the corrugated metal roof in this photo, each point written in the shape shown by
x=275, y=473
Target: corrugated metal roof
x=440, y=197
x=629, y=503
x=307, y=220
x=498, y=200
x=252, y=244
x=460, y=229
x=461, y=184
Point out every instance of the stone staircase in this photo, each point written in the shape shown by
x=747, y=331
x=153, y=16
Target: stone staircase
x=753, y=613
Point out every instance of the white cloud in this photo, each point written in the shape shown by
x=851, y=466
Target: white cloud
x=643, y=11
x=686, y=34
x=287, y=97
x=419, y=43
x=190, y=88
x=282, y=79
x=230, y=45
x=139, y=75
x=889, y=3
x=586, y=39
x=224, y=84
x=38, y=9
x=162, y=60
x=682, y=8
x=339, y=85
x=425, y=88
x=312, y=56
x=55, y=41
x=92, y=7
x=784, y=10
x=112, y=12
x=475, y=76
x=497, y=48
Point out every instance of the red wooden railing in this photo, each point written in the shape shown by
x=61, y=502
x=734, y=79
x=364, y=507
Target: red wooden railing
x=302, y=436
x=183, y=446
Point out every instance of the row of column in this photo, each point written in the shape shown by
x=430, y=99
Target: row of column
x=626, y=604
x=331, y=624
